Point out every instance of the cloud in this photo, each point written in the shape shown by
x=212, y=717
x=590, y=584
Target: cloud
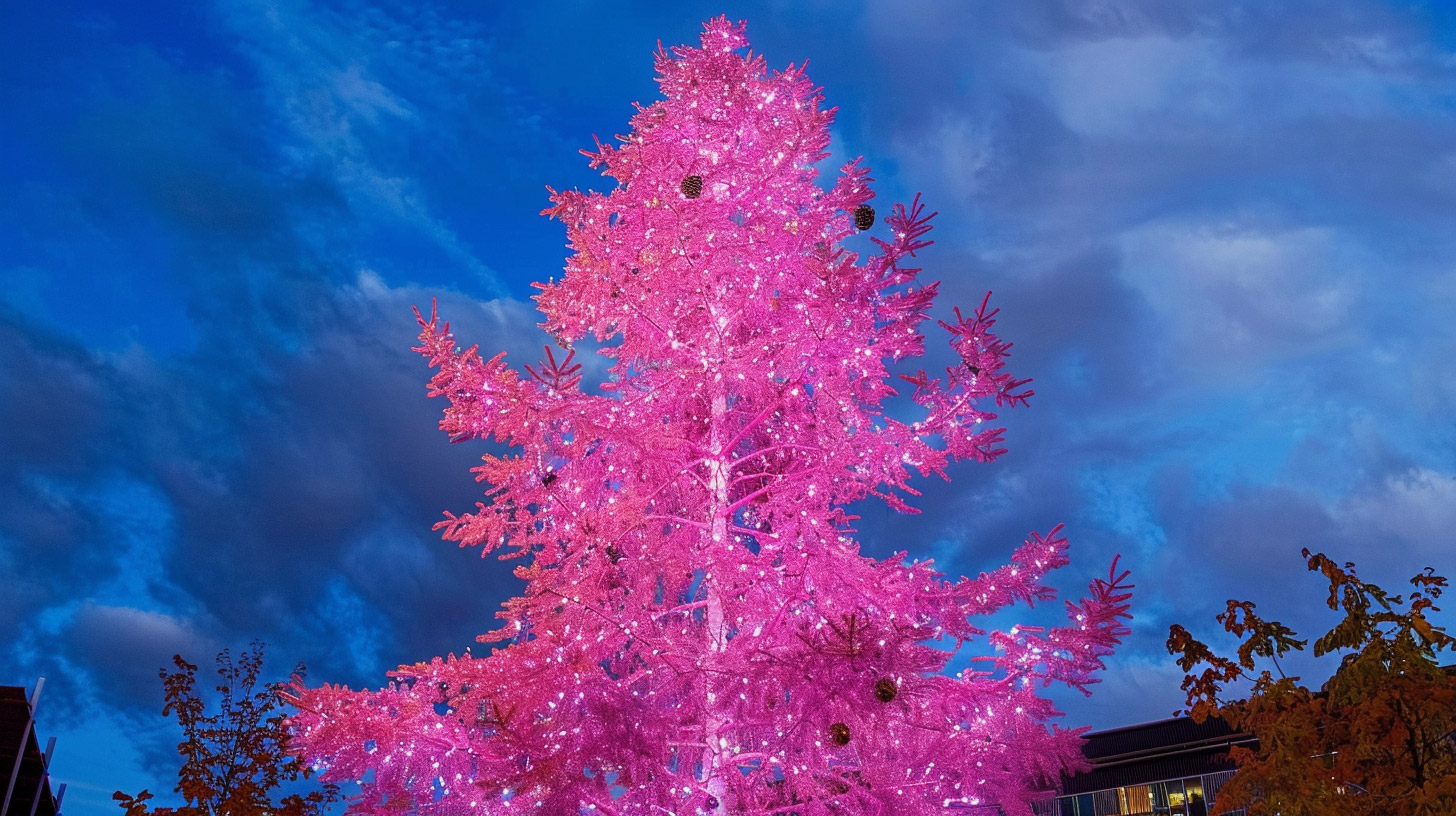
x=1135, y=688
x=284, y=464
x=1233, y=293
x=60, y=416
x=344, y=474
x=1117, y=85
x=124, y=648
x=953, y=149
x=268, y=541
x=319, y=505
x=326, y=76
x=1416, y=507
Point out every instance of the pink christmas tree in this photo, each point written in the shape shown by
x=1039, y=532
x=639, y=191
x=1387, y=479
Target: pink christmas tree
x=698, y=631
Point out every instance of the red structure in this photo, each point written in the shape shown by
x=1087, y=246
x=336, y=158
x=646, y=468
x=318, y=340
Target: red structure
x=25, y=768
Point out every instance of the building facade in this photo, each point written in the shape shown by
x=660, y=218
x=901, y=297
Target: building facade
x=24, y=778
x=1166, y=768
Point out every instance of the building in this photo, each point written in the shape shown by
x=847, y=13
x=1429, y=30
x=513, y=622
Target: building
x=1166, y=768
x=24, y=768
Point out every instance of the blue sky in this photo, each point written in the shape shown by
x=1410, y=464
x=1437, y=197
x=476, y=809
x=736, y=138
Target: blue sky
x=1219, y=233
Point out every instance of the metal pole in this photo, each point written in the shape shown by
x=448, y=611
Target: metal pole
x=24, y=739
x=45, y=772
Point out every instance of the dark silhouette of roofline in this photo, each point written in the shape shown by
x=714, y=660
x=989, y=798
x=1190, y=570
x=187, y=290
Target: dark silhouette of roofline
x=27, y=780
x=1155, y=751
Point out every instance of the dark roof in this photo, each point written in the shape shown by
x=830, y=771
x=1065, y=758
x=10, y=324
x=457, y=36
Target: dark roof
x=14, y=714
x=1154, y=736
x=1155, y=751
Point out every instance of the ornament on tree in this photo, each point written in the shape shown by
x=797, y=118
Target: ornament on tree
x=864, y=217
x=885, y=690
x=723, y=450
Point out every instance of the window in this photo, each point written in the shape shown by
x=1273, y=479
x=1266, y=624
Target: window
x=1079, y=805
x=1137, y=800
x=1175, y=799
x=1196, y=805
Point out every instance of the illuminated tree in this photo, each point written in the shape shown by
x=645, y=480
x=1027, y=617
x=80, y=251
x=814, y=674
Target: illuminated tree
x=698, y=631
x=1378, y=738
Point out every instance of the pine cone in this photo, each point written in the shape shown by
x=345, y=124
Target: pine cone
x=885, y=690
x=864, y=217
x=692, y=186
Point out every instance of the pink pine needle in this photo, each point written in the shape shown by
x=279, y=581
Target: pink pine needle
x=698, y=631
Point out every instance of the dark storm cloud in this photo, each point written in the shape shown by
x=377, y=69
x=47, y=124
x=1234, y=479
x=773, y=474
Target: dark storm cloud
x=327, y=464
x=346, y=461
x=288, y=453
x=60, y=411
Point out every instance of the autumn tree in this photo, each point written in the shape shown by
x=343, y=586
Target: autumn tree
x=235, y=757
x=1379, y=737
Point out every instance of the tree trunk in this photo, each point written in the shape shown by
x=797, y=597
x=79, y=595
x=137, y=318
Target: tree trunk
x=714, y=755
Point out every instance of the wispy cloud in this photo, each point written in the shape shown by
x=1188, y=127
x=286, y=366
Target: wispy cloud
x=358, y=95
x=1235, y=293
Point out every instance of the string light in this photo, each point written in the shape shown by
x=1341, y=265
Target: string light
x=698, y=632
